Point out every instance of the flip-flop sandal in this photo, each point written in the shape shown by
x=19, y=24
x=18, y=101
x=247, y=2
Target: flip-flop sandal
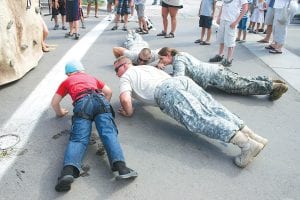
x=275, y=51
x=131, y=175
x=262, y=41
x=269, y=47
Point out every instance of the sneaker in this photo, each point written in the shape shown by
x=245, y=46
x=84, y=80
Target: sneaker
x=248, y=152
x=124, y=28
x=131, y=174
x=162, y=34
x=114, y=28
x=64, y=183
x=226, y=63
x=64, y=28
x=278, y=90
x=216, y=58
x=56, y=27
x=77, y=36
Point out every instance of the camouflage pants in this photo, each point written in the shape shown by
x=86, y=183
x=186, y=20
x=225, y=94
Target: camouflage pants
x=186, y=102
x=135, y=42
x=231, y=82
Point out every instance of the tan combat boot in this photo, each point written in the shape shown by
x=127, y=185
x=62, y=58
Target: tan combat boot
x=249, y=149
x=248, y=132
x=278, y=90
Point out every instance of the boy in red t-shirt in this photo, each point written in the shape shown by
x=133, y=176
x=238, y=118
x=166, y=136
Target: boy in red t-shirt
x=91, y=103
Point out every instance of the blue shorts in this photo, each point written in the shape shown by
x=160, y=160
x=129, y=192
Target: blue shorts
x=123, y=7
x=205, y=21
x=243, y=24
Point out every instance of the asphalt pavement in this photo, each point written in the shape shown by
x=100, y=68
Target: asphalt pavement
x=172, y=163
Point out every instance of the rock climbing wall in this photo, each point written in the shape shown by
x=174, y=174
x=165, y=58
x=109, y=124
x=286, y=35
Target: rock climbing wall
x=20, y=38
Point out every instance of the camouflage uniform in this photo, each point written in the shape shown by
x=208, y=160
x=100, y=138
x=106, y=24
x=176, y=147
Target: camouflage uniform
x=206, y=74
x=190, y=105
x=135, y=42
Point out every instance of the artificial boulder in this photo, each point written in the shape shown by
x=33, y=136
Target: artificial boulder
x=20, y=38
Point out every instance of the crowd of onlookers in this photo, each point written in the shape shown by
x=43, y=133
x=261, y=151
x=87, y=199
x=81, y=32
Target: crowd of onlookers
x=232, y=18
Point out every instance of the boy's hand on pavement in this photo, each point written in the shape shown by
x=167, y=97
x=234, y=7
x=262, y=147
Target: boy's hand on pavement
x=63, y=113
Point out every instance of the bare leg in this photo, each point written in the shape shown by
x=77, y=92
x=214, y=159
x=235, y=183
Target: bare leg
x=173, y=14
x=208, y=35
x=164, y=13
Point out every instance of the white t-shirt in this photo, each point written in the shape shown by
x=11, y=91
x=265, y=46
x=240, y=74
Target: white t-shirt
x=141, y=81
x=280, y=3
x=231, y=9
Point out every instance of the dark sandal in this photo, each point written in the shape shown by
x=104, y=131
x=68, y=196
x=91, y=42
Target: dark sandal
x=275, y=51
x=269, y=47
x=170, y=35
x=162, y=34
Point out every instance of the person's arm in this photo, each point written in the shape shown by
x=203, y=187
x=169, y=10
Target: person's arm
x=244, y=10
x=60, y=112
x=214, y=9
x=126, y=108
x=178, y=67
x=107, y=92
x=118, y=51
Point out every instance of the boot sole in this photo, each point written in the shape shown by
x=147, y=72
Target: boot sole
x=131, y=175
x=254, y=154
x=64, y=183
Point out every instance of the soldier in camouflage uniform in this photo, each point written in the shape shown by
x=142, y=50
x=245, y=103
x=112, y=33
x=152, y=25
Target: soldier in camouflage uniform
x=183, y=100
x=214, y=75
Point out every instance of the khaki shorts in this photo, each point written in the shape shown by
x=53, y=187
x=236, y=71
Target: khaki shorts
x=269, y=16
x=226, y=34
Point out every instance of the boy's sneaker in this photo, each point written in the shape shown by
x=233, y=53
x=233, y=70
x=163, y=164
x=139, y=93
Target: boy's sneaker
x=226, y=63
x=216, y=58
x=56, y=27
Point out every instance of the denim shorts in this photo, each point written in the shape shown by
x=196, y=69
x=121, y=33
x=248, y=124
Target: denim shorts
x=243, y=24
x=205, y=21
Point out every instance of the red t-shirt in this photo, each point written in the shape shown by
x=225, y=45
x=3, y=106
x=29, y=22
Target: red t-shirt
x=77, y=83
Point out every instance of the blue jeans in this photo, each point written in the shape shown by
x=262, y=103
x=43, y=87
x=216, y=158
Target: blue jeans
x=90, y=106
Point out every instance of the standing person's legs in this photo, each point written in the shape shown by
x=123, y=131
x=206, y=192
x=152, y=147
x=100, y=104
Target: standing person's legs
x=229, y=41
x=96, y=8
x=88, y=8
x=220, y=40
x=173, y=13
x=202, y=34
x=165, y=13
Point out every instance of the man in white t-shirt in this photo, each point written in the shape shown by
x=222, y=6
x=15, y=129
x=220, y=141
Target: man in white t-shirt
x=228, y=19
x=186, y=102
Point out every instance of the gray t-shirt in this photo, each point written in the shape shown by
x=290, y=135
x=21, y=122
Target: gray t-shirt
x=206, y=8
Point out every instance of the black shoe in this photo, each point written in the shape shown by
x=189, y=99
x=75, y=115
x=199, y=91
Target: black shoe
x=67, y=35
x=131, y=174
x=217, y=58
x=124, y=172
x=64, y=183
x=77, y=35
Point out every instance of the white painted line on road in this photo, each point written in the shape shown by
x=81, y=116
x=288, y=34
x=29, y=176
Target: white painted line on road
x=24, y=119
